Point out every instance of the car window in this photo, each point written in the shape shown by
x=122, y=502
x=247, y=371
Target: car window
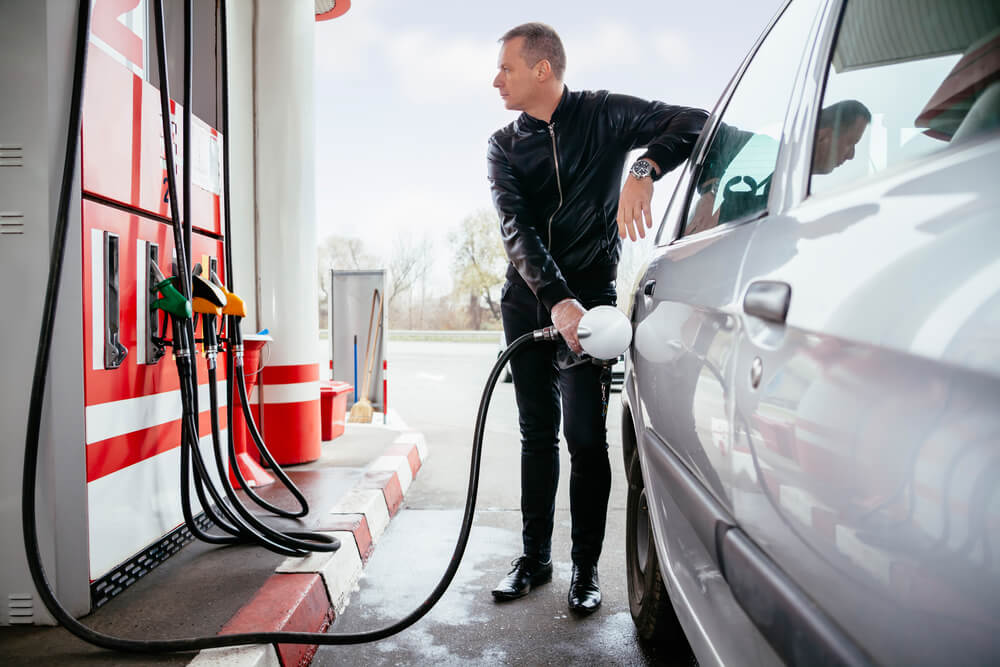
x=735, y=176
x=906, y=83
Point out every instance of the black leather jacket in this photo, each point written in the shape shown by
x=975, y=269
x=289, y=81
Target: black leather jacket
x=556, y=185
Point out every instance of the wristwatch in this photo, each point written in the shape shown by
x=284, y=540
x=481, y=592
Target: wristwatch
x=641, y=168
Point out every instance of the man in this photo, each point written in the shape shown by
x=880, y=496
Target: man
x=554, y=174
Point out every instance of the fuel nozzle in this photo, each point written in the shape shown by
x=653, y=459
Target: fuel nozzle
x=171, y=301
x=234, y=305
x=206, y=297
x=604, y=332
x=236, y=310
x=207, y=300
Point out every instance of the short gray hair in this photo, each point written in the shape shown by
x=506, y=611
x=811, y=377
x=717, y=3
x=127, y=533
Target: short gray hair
x=541, y=42
x=844, y=114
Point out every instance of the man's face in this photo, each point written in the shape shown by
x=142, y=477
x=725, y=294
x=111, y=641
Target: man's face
x=835, y=148
x=515, y=80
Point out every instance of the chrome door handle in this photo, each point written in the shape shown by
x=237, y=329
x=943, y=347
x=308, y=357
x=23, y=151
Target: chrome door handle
x=768, y=300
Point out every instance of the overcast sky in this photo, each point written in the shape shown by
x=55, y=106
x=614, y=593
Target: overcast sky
x=405, y=102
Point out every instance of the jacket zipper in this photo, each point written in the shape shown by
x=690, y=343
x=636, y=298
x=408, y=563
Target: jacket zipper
x=555, y=156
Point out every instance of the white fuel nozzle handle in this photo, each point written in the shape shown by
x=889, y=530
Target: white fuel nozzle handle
x=604, y=332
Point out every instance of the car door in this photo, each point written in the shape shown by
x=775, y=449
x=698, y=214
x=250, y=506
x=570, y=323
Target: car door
x=867, y=373
x=687, y=310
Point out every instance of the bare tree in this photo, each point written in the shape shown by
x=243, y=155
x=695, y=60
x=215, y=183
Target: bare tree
x=479, y=259
x=345, y=252
x=409, y=264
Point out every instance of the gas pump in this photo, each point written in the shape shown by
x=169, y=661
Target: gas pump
x=111, y=482
x=604, y=333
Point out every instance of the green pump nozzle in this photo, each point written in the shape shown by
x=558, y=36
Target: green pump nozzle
x=170, y=301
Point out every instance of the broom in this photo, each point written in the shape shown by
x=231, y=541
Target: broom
x=361, y=412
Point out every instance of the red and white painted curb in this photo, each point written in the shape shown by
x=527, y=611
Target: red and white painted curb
x=306, y=594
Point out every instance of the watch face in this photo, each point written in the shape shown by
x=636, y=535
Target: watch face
x=641, y=169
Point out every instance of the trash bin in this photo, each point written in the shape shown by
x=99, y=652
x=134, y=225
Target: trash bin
x=333, y=407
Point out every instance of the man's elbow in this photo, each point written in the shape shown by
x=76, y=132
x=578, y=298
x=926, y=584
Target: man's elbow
x=691, y=120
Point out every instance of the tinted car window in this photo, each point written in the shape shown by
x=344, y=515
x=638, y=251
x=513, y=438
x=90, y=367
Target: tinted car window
x=735, y=178
x=906, y=79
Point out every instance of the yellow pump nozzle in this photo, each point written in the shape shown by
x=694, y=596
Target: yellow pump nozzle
x=205, y=307
x=234, y=305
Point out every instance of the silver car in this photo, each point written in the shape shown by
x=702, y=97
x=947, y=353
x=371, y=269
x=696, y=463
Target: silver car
x=811, y=418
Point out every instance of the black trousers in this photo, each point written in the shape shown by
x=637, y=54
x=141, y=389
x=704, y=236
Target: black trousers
x=540, y=381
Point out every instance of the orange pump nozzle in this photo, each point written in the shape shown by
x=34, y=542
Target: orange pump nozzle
x=234, y=305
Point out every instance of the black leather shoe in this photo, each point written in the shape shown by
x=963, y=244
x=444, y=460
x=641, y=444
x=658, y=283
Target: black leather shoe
x=527, y=572
x=584, y=589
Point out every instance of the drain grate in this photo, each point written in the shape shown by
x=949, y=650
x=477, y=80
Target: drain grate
x=113, y=583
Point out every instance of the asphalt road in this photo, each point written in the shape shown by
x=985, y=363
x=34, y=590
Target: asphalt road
x=436, y=387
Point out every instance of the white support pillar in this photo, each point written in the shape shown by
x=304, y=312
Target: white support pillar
x=286, y=224
x=241, y=148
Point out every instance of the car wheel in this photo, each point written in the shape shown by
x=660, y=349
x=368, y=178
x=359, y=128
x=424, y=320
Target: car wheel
x=648, y=600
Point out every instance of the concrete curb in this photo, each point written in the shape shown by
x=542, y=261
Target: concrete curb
x=306, y=594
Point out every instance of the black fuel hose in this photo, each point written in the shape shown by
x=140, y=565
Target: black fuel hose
x=232, y=520
x=183, y=329
x=234, y=375
x=185, y=477
x=187, y=101
x=229, y=522
x=32, y=441
x=305, y=541
x=211, y=353
x=183, y=337
x=265, y=453
x=182, y=276
x=232, y=324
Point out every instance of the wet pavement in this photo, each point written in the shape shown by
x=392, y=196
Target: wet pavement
x=467, y=626
x=438, y=386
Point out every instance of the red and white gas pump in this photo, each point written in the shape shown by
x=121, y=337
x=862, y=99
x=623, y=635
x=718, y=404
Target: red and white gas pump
x=110, y=485
x=132, y=409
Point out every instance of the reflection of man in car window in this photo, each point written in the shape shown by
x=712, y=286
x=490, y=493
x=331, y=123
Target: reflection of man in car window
x=736, y=178
x=841, y=126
